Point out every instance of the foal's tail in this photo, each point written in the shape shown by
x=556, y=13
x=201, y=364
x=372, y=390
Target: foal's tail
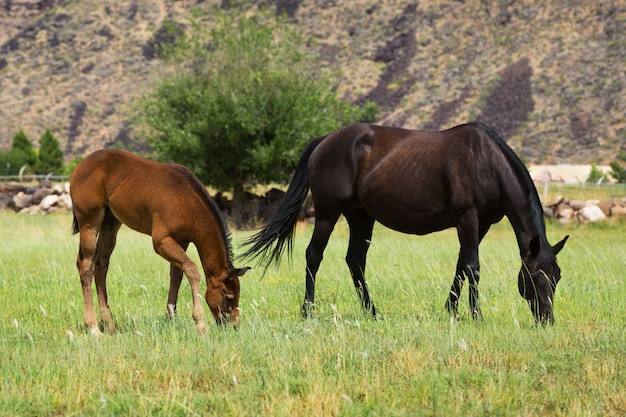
x=74, y=223
x=270, y=242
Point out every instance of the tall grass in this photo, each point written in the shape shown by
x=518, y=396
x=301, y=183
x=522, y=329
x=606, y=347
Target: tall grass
x=415, y=361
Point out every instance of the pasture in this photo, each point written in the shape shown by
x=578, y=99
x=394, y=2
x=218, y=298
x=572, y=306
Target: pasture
x=415, y=361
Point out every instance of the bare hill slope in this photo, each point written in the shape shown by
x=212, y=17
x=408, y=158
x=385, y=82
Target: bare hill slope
x=549, y=75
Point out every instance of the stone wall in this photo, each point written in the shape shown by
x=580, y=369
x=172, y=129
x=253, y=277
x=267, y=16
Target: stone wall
x=47, y=197
x=42, y=198
x=565, y=210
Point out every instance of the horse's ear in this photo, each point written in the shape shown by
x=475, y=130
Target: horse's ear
x=534, y=247
x=242, y=271
x=557, y=248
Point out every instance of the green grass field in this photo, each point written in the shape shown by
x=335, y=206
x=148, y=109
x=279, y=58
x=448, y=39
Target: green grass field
x=413, y=362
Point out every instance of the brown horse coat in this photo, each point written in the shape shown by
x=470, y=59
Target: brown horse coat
x=114, y=187
x=416, y=182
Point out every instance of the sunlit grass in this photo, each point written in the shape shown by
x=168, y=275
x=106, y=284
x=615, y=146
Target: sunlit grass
x=414, y=361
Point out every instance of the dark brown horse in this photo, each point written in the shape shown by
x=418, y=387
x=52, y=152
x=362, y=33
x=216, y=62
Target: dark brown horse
x=416, y=182
x=113, y=187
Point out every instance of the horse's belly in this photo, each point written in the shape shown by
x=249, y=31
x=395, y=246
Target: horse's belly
x=414, y=221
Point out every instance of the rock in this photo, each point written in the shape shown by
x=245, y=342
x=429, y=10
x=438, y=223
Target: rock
x=65, y=201
x=606, y=206
x=5, y=201
x=592, y=202
x=555, y=201
x=12, y=188
x=39, y=194
x=59, y=189
x=22, y=200
x=591, y=214
x=49, y=201
x=577, y=204
x=32, y=210
x=618, y=211
x=564, y=211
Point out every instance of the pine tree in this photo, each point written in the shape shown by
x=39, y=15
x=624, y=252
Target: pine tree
x=50, y=154
x=21, y=153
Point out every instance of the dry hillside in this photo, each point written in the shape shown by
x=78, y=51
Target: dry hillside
x=549, y=75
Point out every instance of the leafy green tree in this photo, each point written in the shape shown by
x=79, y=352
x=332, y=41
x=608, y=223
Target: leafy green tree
x=50, y=154
x=21, y=153
x=243, y=99
x=595, y=175
x=617, y=171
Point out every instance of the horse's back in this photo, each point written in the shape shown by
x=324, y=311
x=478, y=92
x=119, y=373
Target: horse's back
x=138, y=191
x=412, y=181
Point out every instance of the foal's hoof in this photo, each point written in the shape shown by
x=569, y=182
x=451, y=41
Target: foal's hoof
x=95, y=331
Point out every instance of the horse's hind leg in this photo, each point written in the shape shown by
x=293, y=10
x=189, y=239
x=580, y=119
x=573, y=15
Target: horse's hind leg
x=176, y=278
x=85, y=264
x=361, y=225
x=324, y=225
x=106, y=244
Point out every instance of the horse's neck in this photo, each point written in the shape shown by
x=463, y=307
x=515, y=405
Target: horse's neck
x=525, y=231
x=525, y=217
x=213, y=250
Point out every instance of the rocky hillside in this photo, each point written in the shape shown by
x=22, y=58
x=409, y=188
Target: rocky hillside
x=549, y=75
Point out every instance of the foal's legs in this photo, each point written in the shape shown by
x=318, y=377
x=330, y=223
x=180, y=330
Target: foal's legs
x=324, y=225
x=470, y=234
x=85, y=263
x=361, y=225
x=106, y=244
x=169, y=249
x=176, y=277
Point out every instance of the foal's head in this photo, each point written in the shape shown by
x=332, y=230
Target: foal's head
x=538, y=278
x=222, y=296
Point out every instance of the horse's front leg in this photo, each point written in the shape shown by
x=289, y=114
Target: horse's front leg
x=452, y=305
x=314, y=255
x=169, y=249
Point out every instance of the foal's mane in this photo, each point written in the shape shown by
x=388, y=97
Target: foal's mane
x=533, y=206
x=201, y=189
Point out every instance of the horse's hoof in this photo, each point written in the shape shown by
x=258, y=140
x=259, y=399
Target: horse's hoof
x=375, y=315
x=95, y=331
x=308, y=310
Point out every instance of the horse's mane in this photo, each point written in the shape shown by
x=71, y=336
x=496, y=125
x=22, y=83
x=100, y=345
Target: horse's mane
x=199, y=186
x=534, y=209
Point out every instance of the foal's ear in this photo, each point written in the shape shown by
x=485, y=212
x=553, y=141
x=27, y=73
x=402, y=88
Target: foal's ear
x=557, y=248
x=242, y=271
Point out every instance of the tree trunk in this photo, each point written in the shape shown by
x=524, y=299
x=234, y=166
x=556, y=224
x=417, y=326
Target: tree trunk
x=243, y=210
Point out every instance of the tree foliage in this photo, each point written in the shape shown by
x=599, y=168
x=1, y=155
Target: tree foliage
x=595, y=175
x=617, y=171
x=50, y=154
x=242, y=100
x=20, y=154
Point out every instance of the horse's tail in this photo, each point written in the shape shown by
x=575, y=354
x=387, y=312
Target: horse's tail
x=269, y=243
x=74, y=223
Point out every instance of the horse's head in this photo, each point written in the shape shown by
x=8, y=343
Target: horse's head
x=222, y=296
x=538, y=278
